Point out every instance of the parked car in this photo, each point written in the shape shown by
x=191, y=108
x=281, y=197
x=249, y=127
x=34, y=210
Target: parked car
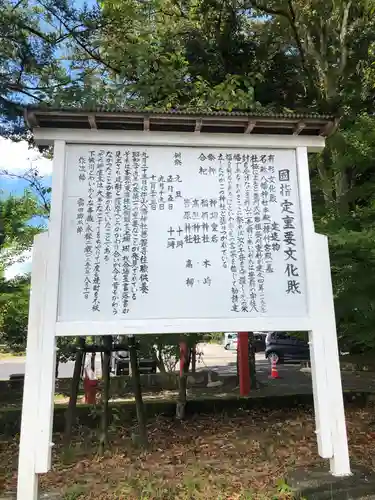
x=233, y=344
x=285, y=348
x=230, y=341
x=120, y=363
x=260, y=341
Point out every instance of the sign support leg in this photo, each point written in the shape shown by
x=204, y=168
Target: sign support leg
x=318, y=357
x=27, y=482
x=320, y=393
x=339, y=463
x=325, y=365
x=48, y=348
x=46, y=401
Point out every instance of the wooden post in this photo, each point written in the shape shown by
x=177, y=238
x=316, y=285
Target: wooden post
x=252, y=366
x=74, y=388
x=184, y=370
x=106, y=378
x=243, y=363
x=183, y=356
x=141, y=415
x=194, y=358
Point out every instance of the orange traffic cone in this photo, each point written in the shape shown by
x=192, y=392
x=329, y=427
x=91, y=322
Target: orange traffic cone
x=274, y=372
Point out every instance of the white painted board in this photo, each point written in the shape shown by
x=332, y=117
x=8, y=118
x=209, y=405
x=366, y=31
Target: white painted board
x=180, y=232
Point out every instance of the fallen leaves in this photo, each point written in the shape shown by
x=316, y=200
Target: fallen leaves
x=228, y=457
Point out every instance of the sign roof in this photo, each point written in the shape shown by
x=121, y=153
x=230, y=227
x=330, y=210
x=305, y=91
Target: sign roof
x=236, y=122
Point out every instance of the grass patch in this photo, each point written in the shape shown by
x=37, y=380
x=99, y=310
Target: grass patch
x=74, y=492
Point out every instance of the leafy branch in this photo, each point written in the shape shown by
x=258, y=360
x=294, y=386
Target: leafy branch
x=36, y=184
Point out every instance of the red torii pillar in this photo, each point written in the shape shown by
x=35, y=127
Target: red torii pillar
x=243, y=363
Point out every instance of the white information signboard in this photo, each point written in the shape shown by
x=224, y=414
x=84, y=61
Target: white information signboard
x=180, y=232
x=154, y=232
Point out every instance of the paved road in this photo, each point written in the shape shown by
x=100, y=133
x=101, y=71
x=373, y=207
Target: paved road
x=214, y=356
x=14, y=366
x=217, y=358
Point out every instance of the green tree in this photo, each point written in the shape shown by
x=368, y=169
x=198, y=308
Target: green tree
x=159, y=55
x=343, y=185
x=30, y=70
x=206, y=54
x=331, y=41
x=16, y=232
x=16, y=236
x=14, y=310
x=37, y=40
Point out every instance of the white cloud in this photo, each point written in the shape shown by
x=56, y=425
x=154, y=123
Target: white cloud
x=19, y=268
x=16, y=157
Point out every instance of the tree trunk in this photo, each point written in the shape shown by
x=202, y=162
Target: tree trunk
x=57, y=366
x=161, y=366
x=194, y=359
x=141, y=417
x=157, y=356
x=181, y=403
x=102, y=363
x=70, y=412
x=92, y=361
x=342, y=189
x=106, y=377
x=83, y=363
x=326, y=182
x=252, y=367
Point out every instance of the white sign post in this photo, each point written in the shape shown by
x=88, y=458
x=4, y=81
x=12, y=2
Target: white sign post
x=27, y=471
x=176, y=232
x=332, y=393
